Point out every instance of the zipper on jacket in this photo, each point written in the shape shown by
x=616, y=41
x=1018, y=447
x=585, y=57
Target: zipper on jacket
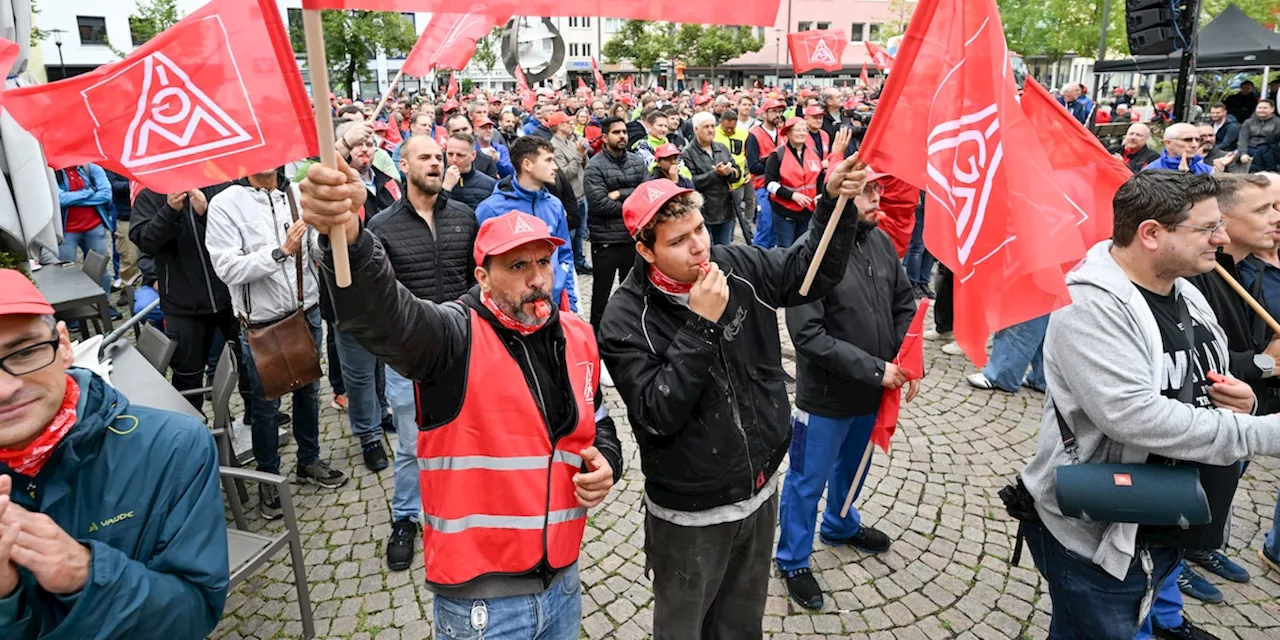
x=208, y=286
x=737, y=421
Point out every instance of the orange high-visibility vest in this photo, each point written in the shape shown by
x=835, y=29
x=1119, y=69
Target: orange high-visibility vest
x=798, y=175
x=767, y=145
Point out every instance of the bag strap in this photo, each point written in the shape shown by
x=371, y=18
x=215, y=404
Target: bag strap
x=1186, y=393
x=293, y=212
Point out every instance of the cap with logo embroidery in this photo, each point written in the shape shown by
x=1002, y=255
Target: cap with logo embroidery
x=666, y=150
x=510, y=230
x=645, y=202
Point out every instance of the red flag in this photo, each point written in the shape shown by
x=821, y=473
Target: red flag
x=215, y=97
x=706, y=88
x=995, y=218
x=527, y=99
x=817, y=49
x=453, y=86
x=582, y=85
x=449, y=41
x=758, y=13
x=135, y=188
x=595, y=69
x=880, y=57
x=911, y=361
x=390, y=135
x=866, y=82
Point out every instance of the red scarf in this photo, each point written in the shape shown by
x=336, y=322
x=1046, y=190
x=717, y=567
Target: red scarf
x=29, y=460
x=544, y=312
x=667, y=284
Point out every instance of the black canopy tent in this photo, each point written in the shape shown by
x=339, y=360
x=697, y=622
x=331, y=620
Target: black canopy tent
x=1230, y=41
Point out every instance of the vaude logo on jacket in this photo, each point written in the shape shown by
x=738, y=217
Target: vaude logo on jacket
x=969, y=149
x=177, y=122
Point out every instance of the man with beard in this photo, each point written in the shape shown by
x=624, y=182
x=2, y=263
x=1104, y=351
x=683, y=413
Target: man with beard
x=692, y=338
x=512, y=427
x=611, y=176
x=428, y=239
x=762, y=141
x=845, y=345
x=490, y=143
x=383, y=188
x=1219, y=159
x=463, y=182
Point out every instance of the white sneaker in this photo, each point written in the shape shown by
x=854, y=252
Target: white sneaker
x=605, y=378
x=952, y=349
x=933, y=334
x=980, y=381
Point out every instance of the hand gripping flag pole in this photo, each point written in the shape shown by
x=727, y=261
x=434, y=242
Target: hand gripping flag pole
x=826, y=236
x=318, y=66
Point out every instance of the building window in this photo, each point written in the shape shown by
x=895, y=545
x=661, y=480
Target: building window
x=858, y=29
x=586, y=22
x=873, y=32
x=760, y=32
x=573, y=47
x=824, y=26
x=586, y=49
x=134, y=25
x=93, y=29
x=573, y=22
x=805, y=26
x=612, y=25
x=580, y=22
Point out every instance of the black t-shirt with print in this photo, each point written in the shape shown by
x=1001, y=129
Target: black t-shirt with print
x=1219, y=483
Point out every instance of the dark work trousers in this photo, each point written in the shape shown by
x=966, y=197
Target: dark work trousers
x=711, y=582
x=944, y=305
x=194, y=337
x=606, y=261
x=335, y=361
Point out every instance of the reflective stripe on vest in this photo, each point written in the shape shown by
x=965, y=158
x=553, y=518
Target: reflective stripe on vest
x=497, y=494
x=767, y=146
x=800, y=176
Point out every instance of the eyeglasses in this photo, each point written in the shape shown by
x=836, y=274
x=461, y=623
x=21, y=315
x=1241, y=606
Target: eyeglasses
x=30, y=359
x=1191, y=139
x=1222, y=224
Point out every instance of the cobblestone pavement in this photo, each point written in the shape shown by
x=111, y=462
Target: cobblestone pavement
x=947, y=575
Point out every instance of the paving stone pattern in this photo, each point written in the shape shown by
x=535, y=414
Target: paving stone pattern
x=947, y=575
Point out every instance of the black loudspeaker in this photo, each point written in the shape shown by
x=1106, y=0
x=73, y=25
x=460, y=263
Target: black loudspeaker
x=1153, y=25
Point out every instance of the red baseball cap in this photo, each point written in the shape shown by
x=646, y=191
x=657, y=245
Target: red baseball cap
x=773, y=103
x=510, y=230
x=645, y=202
x=666, y=150
x=495, y=100
x=556, y=119
x=815, y=110
x=481, y=120
x=701, y=100
x=451, y=105
x=791, y=122
x=21, y=297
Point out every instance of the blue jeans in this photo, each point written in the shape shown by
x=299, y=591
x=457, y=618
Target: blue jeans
x=554, y=614
x=1087, y=601
x=1272, y=544
x=722, y=233
x=306, y=412
x=94, y=239
x=577, y=235
x=786, y=231
x=824, y=452
x=406, y=500
x=1013, y=350
x=359, y=378
x=764, y=220
x=918, y=261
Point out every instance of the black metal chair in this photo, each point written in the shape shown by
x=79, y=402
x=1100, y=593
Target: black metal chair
x=224, y=384
x=156, y=347
x=95, y=266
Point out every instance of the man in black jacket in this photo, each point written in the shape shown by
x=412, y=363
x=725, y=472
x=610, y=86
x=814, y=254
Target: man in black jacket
x=845, y=346
x=463, y=181
x=512, y=427
x=713, y=171
x=428, y=239
x=483, y=163
x=610, y=177
x=692, y=339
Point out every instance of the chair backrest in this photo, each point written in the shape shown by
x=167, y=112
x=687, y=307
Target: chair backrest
x=156, y=347
x=95, y=265
x=224, y=384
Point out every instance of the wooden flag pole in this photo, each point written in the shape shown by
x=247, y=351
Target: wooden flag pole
x=386, y=96
x=318, y=66
x=1240, y=291
x=857, y=478
x=822, y=245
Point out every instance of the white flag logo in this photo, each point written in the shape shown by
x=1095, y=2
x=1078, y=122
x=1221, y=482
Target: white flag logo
x=521, y=226
x=652, y=194
x=822, y=53
x=964, y=158
x=176, y=119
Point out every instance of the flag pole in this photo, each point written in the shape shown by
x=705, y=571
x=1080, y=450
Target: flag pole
x=318, y=66
x=857, y=478
x=822, y=245
x=1240, y=291
x=387, y=96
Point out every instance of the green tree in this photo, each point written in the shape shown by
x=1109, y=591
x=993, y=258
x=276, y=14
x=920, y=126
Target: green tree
x=899, y=17
x=714, y=45
x=37, y=34
x=487, y=50
x=353, y=38
x=642, y=42
x=151, y=18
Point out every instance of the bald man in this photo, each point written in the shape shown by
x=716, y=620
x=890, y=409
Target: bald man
x=1134, y=152
x=1181, y=151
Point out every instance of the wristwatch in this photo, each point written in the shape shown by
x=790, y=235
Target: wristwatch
x=278, y=255
x=1266, y=363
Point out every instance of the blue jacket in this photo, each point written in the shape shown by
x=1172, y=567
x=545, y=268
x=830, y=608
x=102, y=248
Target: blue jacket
x=1196, y=164
x=96, y=193
x=140, y=488
x=1227, y=135
x=510, y=196
x=505, y=168
x=1079, y=109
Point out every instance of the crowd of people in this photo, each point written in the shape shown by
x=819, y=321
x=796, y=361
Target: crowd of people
x=469, y=223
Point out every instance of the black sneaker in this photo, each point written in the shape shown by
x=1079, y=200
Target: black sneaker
x=584, y=269
x=400, y=547
x=927, y=291
x=867, y=540
x=319, y=472
x=269, y=502
x=375, y=457
x=283, y=420
x=1185, y=631
x=388, y=423
x=803, y=588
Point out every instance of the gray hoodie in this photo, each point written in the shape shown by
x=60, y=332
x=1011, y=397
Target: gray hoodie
x=1103, y=362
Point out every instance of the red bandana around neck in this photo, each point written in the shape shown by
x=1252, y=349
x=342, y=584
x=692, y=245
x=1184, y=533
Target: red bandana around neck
x=29, y=460
x=667, y=284
x=544, y=312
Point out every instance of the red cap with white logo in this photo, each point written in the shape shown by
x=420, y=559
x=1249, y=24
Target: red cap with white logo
x=666, y=150
x=508, y=231
x=21, y=297
x=644, y=203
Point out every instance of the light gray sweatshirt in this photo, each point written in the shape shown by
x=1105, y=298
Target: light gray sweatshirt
x=1103, y=359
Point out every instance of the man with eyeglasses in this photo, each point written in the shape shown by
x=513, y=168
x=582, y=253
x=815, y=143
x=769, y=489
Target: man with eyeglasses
x=110, y=513
x=1181, y=151
x=1219, y=159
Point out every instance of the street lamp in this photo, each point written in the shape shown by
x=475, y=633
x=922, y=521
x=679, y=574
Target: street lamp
x=57, y=41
